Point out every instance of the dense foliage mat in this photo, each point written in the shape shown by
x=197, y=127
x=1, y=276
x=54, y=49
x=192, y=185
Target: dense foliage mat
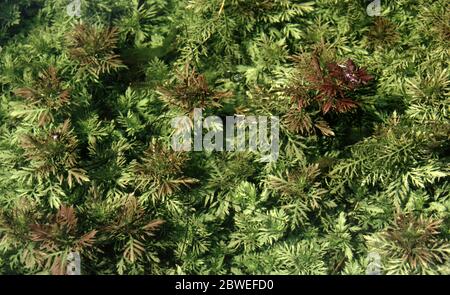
x=86, y=103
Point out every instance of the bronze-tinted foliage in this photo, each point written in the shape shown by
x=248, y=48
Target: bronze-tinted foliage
x=442, y=26
x=437, y=22
x=382, y=33
x=333, y=84
x=47, y=93
x=56, y=144
x=296, y=182
x=417, y=240
x=14, y=220
x=328, y=85
x=299, y=121
x=132, y=219
x=60, y=235
x=53, y=152
x=93, y=48
x=161, y=169
x=321, y=85
x=133, y=227
x=191, y=91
